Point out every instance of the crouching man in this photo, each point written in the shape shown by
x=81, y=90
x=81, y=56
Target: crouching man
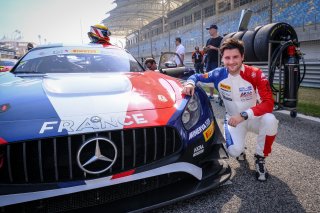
x=239, y=86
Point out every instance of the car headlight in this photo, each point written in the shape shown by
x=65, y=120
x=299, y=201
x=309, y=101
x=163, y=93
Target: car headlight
x=191, y=113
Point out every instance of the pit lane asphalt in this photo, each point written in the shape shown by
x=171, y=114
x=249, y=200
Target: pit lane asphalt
x=294, y=168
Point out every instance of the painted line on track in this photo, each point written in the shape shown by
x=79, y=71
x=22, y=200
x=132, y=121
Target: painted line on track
x=300, y=115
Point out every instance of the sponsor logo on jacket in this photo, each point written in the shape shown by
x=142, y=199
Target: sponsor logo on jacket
x=245, y=89
x=244, y=96
x=225, y=87
x=206, y=75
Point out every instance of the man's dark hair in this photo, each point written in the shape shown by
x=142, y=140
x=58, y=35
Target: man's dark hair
x=232, y=43
x=29, y=46
x=178, y=39
x=149, y=60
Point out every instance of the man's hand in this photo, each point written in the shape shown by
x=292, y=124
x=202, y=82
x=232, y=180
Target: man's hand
x=235, y=120
x=188, y=89
x=212, y=47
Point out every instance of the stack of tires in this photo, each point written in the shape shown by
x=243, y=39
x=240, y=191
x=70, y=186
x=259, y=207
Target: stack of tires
x=256, y=42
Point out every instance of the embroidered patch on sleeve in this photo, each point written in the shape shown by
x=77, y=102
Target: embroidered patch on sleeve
x=206, y=75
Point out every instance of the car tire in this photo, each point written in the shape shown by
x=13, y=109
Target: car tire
x=226, y=37
x=248, y=40
x=274, y=32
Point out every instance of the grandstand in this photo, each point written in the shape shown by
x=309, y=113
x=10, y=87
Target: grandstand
x=189, y=20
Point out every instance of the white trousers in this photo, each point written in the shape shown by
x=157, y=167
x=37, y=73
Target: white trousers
x=266, y=126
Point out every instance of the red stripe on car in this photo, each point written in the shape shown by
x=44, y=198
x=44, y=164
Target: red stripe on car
x=3, y=141
x=123, y=174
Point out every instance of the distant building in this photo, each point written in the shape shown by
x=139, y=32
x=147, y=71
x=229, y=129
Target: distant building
x=190, y=19
x=7, y=53
x=13, y=48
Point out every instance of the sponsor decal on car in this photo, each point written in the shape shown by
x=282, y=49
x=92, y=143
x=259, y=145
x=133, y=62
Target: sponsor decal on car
x=207, y=134
x=199, y=129
x=60, y=52
x=84, y=51
x=93, y=123
x=198, y=150
x=162, y=98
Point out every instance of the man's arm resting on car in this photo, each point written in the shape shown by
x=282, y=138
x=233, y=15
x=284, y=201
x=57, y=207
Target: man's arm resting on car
x=188, y=89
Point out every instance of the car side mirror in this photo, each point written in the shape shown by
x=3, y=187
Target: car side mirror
x=170, y=64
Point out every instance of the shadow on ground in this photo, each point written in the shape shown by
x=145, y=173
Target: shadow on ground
x=244, y=194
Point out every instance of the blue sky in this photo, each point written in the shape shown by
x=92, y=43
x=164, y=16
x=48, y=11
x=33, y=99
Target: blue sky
x=55, y=21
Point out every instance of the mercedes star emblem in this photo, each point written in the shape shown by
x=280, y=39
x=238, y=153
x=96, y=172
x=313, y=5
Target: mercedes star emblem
x=97, y=155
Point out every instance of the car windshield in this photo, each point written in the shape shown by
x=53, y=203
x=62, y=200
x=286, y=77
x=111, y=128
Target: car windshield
x=7, y=63
x=78, y=60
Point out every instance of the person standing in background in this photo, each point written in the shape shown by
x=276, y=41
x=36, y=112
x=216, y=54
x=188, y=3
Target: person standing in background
x=197, y=59
x=180, y=50
x=213, y=44
x=204, y=59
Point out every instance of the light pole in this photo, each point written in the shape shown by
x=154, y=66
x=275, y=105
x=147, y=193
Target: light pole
x=270, y=10
x=202, y=22
x=14, y=34
x=39, y=37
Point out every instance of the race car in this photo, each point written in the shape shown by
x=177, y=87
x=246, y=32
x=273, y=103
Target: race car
x=7, y=64
x=87, y=127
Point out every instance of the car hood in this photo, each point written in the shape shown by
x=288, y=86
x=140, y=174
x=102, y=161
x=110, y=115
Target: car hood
x=72, y=95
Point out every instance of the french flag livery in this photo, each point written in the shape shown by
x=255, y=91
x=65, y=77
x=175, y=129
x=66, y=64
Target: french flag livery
x=78, y=103
x=89, y=119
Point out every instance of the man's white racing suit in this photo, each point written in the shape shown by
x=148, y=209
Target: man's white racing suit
x=240, y=93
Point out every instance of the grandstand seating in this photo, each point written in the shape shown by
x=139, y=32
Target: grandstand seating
x=297, y=13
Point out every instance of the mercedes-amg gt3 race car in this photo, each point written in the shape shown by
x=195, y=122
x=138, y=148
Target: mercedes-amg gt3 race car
x=88, y=127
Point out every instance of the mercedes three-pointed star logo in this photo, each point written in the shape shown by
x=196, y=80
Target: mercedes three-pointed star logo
x=98, y=162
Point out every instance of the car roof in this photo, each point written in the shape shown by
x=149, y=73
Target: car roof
x=90, y=45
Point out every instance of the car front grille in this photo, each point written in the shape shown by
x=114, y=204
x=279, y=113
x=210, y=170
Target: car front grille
x=91, y=198
x=55, y=159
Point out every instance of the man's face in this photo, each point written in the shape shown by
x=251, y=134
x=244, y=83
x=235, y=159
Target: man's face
x=212, y=31
x=151, y=66
x=232, y=60
x=177, y=43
